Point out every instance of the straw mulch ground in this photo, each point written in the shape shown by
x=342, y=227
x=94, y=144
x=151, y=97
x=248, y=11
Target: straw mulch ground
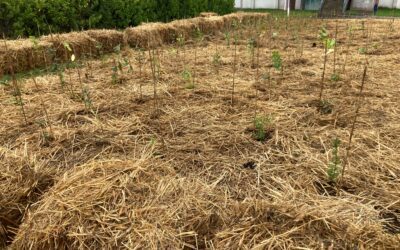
x=185, y=171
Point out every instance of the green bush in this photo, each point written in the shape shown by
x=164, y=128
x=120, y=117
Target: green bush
x=37, y=17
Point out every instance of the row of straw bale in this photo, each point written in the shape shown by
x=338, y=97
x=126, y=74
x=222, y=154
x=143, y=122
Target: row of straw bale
x=156, y=34
x=27, y=54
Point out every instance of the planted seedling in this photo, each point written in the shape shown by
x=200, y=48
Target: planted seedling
x=251, y=45
x=329, y=45
x=87, y=100
x=334, y=166
x=234, y=25
x=48, y=122
x=140, y=58
x=362, y=50
x=335, y=77
x=349, y=41
x=356, y=114
x=217, y=60
x=277, y=63
x=335, y=46
x=153, y=65
x=276, y=60
x=227, y=36
x=261, y=128
x=119, y=64
x=199, y=38
x=180, y=40
x=187, y=77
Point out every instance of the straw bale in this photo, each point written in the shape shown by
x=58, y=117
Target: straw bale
x=150, y=35
x=244, y=18
x=184, y=27
x=208, y=25
x=108, y=39
x=81, y=44
x=23, y=55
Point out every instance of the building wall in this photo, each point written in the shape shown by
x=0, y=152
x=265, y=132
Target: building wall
x=368, y=4
x=389, y=3
x=264, y=4
x=280, y=4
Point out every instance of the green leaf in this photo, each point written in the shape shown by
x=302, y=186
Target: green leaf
x=66, y=45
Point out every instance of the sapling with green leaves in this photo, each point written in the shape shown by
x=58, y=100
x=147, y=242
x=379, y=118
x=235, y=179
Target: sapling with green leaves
x=251, y=45
x=261, y=124
x=216, y=59
x=140, y=58
x=43, y=105
x=180, y=40
x=335, y=75
x=187, y=77
x=199, y=36
x=234, y=25
x=329, y=45
x=153, y=66
x=69, y=59
x=334, y=166
x=355, y=117
x=348, y=44
x=277, y=63
x=227, y=36
x=118, y=66
x=87, y=99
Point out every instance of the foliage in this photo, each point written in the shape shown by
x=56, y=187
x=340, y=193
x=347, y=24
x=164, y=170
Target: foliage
x=227, y=36
x=335, y=77
x=86, y=98
x=329, y=43
x=187, y=76
x=217, y=60
x=335, y=163
x=37, y=17
x=260, y=125
x=276, y=60
x=325, y=107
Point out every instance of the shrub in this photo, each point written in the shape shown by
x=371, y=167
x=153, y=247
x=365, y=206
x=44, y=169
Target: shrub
x=36, y=17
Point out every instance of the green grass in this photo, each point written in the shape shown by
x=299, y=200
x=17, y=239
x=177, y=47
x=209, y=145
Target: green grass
x=386, y=12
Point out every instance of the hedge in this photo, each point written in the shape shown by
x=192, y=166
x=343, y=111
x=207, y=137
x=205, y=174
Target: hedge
x=38, y=17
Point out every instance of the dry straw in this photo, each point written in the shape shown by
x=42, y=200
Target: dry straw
x=207, y=184
x=24, y=55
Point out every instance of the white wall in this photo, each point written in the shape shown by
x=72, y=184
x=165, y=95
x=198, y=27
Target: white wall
x=369, y=4
x=362, y=4
x=271, y=4
x=389, y=3
x=264, y=4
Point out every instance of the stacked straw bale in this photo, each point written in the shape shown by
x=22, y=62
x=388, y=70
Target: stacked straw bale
x=106, y=40
x=150, y=35
x=81, y=44
x=23, y=55
x=156, y=34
